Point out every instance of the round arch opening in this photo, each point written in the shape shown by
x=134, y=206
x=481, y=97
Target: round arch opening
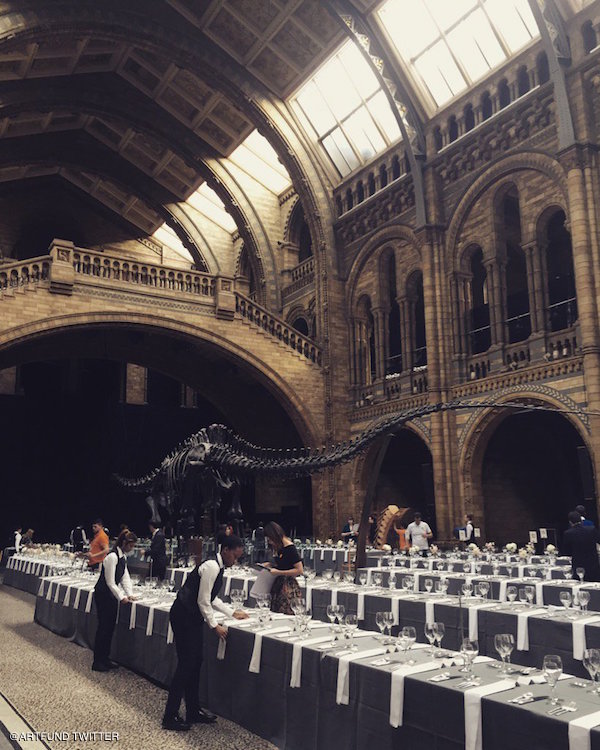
x=535, y=469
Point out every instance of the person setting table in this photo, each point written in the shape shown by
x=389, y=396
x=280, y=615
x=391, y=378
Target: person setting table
x=287, y=568
x=418, y=534
x=99, y=545
x=195, y=605
x=158, y=550
x=113, y=586
x=350, y=530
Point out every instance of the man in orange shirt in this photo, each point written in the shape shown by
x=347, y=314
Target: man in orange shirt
x=98, y=545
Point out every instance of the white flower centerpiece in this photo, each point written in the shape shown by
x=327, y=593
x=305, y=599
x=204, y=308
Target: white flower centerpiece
x=340, y=544
x=434, y=549
x=329, y=542
x=386, y=548
x=550, y=549
x=511, y=547
x=474, y=550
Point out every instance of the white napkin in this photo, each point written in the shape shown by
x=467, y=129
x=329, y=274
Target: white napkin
x=579, y=644
x=257, y=650
x=346, y=555
x=296, y=675
x=245, y=587
x=322, y=553
x=57, y=593
x=579, y=731
x=416, y=584
x=430, y=612
x=221, y=649
x=67, y=596
x=88, y=604
x=360, y=606
x=41, y=589
x=169, y=634
x=369, y=572
x=503, y=586
x=150, y=623
x=172, y=576
x=227, y=585
x=77, y=598
x=397, y=688
x=473, y=624
x=473, y=696
x=396, y=610
x=539, y=593
x=49, y=592
x=523, y=628
x=334, y=597
x=343, y=681
x=132, y=615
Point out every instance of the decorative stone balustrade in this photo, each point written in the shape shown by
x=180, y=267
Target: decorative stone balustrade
x=14, y=276
x=101, y=266
x=301, y=276
x=277, y=328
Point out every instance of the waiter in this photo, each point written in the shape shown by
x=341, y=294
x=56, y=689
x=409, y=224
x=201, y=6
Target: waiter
x=98, y=545
x=78, y=538
x=17, y=536
x=195, y=605
x=113, y=586
x=158, y=550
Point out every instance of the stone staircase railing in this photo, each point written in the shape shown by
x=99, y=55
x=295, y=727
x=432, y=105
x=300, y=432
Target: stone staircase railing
x=277, y=328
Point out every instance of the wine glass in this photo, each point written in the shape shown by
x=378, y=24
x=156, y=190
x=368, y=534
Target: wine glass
x=591, y=661
x=349, y=576
x=408, y=636
x=352, y=624
x=430, y=635
x=377, y=579
x=467, y=567
x=467, y=589
x=336, y=576
x=389, y=623
x=428, y=585
x=580, y=572
x=530, y=594
x=553, y=668
x=511, y=593
x=584, y=600
x=340, y=611
x=469, y=648
x=565, y=599
x=362, y=579
x=504, y=644
x=392, y=581
x=522, y=596
x=380, y=621
x=331, y=613
x=484, y=589
x=327, y=574
x=439, y=630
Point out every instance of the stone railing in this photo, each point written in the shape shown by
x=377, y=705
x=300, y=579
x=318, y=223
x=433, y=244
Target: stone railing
x=302, y=275
x=24, y=273
x=155, y=276
x=277, y=328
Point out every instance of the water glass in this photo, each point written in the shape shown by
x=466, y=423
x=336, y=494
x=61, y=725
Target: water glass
x=504, y=644
x=439, y=630
x=511, y=593
x=591, y=661
x=469, y=649
x=580, y=573
x=552, y=668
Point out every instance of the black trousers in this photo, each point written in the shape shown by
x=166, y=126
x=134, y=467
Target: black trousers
x=159, y=569
x=106, y=606
x=188, y=633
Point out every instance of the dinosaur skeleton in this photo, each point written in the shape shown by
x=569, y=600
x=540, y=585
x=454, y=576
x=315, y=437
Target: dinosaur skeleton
x=215, y=458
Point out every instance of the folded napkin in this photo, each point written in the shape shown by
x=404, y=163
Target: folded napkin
x=150, y=623
x=132, y=615
x=169, y=634
x=343, y=681
x=221, y=649
x=77, y=598
x=49, y=592
x=523, y=627
x=369, y=572
x=503, y=586
x=67, y=596
x=539, y=593
x=396, y=610
x=88, y=604
x=334, y=597
x=346, y=555
x=57, y=593
x=531, y=679
x=579, y=644
x=473, y=696
x=397, y=688
x=416, y=584
x=41, y=589
x=429, y=612
x=172, y=576
x=579, y=731
x=296, y=675
x=257, y=650
x=245, y=586
x=322, y=553
x=227, y=585
x=360, y=606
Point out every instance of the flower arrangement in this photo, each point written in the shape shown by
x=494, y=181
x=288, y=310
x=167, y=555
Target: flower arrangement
x=530, y=547
x=340, y=543
x=413, y=550
x=523, y=553
x=434, y=549
x=307, y=541
x=329, y=541
x=474, y=550
x=551, y=549
x=351, y=543
x=386, y=548
x=511, y=547
x=489, y=546
x=318, y=542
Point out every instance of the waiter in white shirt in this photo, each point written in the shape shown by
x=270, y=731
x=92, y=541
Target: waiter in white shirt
x=468, y=519
x=418, y=533
x=113, y=586
x=17, y=536
x=195, y=605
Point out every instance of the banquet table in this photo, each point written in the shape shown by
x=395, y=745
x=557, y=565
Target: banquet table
x=297, y=695
x=24, y=571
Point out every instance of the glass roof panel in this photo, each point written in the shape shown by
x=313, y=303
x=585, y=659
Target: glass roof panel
x=316, y=108
x=210, y=205
x=382, y=114
x=337, y=88
x=448, y=45
x=362, y=76
x=257, y=158
x=364, y=134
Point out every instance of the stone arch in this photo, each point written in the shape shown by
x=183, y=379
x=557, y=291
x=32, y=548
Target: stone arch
x=542, y=219
x=482, y=424
x=268, y=376
x=502, y=168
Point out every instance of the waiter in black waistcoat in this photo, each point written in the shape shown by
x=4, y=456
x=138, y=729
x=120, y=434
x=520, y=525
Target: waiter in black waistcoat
x=113, y=586
x=195, y=605
x=579, y=542
x=158, y=550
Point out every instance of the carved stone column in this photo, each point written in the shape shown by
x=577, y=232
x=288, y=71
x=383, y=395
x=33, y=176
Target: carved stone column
x=380, y=327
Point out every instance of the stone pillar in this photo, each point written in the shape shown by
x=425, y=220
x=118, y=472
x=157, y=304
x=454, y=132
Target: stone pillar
x=495, y=270
x=379, y=323
x=136, y=382
x=405, y=332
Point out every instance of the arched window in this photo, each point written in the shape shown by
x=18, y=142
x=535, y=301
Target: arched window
x=395, y=168
x=562, y=299
x=523, y=84
x=437, y=138
x=349, y=200
x=417, y=308
x=301, y=326
x=340, y=206
x=518, y=321
x=371, y=183
x=394, y=359
x=383, y=176
x=479, y=313
x=452, y=129
x=365, y=342
x=469, y=116
x=247, y=279
x=486, y=106
x=589, y=36
x=543, y=69
x=360, y=192
x=503, y=94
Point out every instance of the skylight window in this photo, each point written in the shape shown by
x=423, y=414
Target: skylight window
x=210, y=205
x=257, y=158
x=450, y=44
x=347, y=111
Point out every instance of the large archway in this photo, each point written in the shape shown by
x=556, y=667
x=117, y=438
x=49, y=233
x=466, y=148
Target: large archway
x=72, y=426
x=534, y=469
x=405, y=477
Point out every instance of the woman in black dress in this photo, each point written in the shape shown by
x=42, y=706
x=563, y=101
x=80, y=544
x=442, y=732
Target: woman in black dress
x=287, y=568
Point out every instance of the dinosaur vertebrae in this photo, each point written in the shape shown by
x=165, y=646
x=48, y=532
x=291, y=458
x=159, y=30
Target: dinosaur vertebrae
x=228, y=454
